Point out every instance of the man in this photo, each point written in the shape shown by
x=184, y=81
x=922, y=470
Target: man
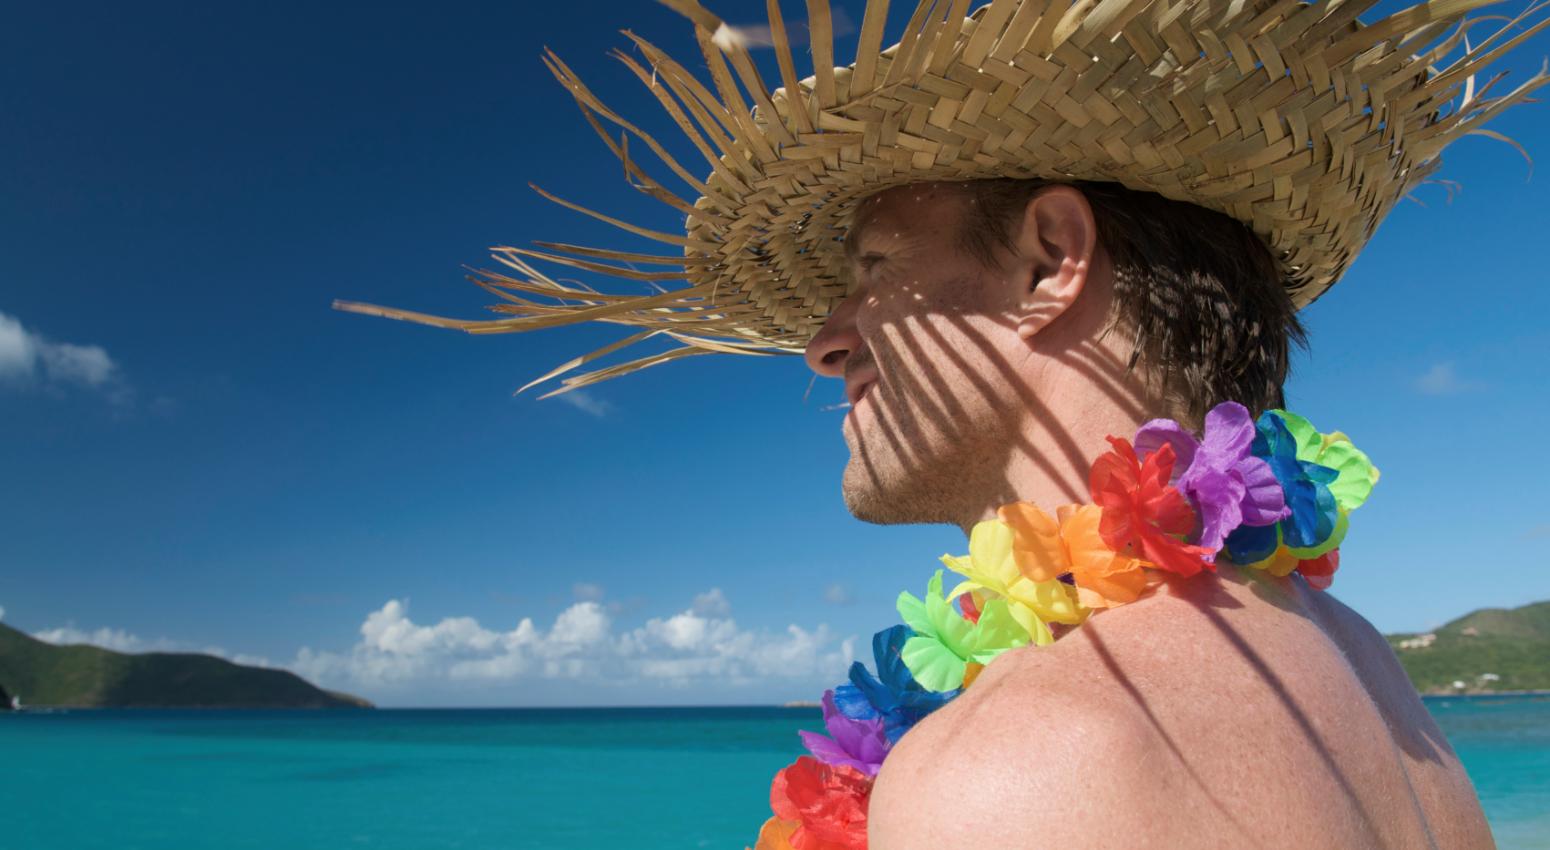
x=1013, y=234
x=1225, y=710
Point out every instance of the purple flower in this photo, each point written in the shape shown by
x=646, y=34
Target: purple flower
x=1227, y=485
x=860, y=744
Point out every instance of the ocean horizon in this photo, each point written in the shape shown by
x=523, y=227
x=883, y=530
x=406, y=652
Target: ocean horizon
x=580, y=778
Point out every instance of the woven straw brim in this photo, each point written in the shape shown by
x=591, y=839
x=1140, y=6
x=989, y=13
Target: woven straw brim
x=1293, y=118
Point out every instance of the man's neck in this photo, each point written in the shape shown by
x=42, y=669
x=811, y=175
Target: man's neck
x=1056, y=450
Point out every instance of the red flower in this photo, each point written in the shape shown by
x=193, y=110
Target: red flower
x=971, y=612
x=1143, y=515
x=1320, y=571
x=829, y=801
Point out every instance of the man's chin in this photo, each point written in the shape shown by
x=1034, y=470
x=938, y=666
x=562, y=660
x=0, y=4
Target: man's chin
x=873, y=501
x=865, y=507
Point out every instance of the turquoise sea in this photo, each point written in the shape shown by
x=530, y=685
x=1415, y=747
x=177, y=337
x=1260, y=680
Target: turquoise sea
x=568, y=779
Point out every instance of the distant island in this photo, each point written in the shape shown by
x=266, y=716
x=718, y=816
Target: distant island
x=1493, y=650
x=82, y=676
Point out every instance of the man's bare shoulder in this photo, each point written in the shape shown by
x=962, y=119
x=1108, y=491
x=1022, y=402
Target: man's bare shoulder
x=1024, y=766
x=1215, y=714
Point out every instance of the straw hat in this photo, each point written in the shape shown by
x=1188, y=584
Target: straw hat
x=1294, y=118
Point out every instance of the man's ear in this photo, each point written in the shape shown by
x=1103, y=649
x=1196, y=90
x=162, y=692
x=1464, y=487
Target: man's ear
x=1055, y=245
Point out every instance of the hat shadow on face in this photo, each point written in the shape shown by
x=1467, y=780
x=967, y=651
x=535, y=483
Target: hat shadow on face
x=960, y=409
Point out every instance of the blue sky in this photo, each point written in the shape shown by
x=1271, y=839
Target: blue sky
x=197, y=452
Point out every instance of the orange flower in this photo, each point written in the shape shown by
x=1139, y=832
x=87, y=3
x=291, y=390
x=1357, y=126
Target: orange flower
x=1104, y=578
x=776, y=834
x=1143, y=515
x=828, y=802
x=1046, y=549
x=971, y=672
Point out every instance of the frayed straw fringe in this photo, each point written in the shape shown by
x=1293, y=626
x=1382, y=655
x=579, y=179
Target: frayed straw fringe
x=1293, y=118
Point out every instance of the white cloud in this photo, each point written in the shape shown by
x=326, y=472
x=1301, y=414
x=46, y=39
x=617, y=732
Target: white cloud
x=580, y=626
x=120, y=640
x=82, y=364
x=711, y=604
x=586, y=591
x=583, y=647
x=1441, y=379
x=703, y=642
x=838, y=594
x=2, y=612
x=586, y=403
x=752, y=36
x=18, y=351
x=117, y=640
x=27, y=357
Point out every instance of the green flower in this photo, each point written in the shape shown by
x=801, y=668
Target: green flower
x=945, y=642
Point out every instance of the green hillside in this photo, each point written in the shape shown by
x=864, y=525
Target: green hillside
x=41, y=673
x=1512, y=645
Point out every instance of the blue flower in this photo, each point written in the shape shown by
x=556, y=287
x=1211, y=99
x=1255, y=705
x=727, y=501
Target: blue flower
x=893, y=694
x=1314, y=512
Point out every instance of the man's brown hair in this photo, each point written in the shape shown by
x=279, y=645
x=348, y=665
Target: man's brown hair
x=1202, y=297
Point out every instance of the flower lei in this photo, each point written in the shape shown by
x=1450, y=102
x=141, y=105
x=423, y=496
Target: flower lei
x=1273, y=493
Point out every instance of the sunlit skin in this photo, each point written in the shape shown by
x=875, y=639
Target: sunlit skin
x=1229, y=710
x=972, y=386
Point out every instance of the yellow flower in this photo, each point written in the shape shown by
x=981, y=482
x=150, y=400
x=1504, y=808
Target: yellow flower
x=1280, y=563
x=990, y=567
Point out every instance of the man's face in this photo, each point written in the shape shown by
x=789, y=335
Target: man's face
x=929, y=351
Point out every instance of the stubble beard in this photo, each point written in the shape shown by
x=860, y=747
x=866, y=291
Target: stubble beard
x=882, y=486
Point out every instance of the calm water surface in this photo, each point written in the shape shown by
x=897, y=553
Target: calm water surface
x=512, y=779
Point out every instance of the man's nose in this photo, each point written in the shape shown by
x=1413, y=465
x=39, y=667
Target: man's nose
x=838, y=339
